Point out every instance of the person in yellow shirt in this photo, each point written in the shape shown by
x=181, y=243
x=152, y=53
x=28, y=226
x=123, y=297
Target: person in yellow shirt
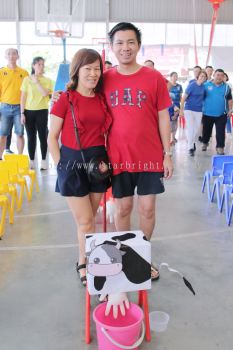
x=35, y=93
x=11, y=78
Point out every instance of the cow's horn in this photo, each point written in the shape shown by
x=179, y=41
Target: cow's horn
x=118, y=244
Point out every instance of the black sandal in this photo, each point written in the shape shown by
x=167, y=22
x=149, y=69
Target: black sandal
x=83, y=279
x=154, y=269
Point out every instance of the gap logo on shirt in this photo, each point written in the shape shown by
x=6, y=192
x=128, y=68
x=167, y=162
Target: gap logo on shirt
x=127, y=98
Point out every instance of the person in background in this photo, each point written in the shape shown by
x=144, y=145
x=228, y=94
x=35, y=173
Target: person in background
x=209, y=71
x=35, y=94
x=196, y=71
x=175, y=92
x=191, y=107
x=149, y=63
x=173, y=111
x=84, y=92
x=9, y=137
x=217, y=107
x=107, y=65
x=11, y=78
x=228, y=125
x=8, y=143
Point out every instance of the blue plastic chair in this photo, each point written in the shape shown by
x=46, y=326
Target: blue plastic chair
x=226, y=196
x=223, y=179
x=217, y=166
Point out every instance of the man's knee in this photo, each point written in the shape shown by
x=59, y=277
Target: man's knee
x=148, y=212
x=124, y=208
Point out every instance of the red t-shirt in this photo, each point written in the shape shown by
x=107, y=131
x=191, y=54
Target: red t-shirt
x=134, y=100
x=91, y=116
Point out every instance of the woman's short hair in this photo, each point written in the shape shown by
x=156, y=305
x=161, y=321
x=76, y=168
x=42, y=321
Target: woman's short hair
x=172, y=73
x=80, y=59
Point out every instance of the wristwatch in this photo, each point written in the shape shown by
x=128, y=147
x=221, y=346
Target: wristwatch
x=167, y=153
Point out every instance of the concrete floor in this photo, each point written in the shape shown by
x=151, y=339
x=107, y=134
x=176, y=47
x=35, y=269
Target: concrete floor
x=42, y=300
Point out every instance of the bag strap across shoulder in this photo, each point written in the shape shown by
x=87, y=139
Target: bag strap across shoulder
x=76, y=129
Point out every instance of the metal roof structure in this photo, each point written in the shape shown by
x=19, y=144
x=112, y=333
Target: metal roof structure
x=155, y=11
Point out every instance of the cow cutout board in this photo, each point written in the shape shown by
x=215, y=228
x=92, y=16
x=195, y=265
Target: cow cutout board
x=118, y=262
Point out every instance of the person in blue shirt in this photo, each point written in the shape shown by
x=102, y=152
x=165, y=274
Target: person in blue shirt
x=196, y=72
x=209, y=70
x=191, y=108
x=228, y=125
x=176, y=89
x=217, y=106
x=175, y=92
x=173, y=111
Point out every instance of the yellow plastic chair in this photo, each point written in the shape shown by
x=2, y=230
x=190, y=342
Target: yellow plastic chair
x=16, y=179
x=6, y=188
x=5, y=205
x=24, y=170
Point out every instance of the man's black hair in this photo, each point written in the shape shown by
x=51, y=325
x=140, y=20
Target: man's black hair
x=220, y=70
x=149, y=61
x=125, y=26
x=197, y=67
x=209, y=67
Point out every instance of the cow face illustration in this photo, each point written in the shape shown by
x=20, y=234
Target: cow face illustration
x=105, y=260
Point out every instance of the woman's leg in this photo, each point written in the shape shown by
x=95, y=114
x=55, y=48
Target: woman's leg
x=30, y=126
x=95, y=199
x=197, y=125
x=42, y=127
x=84, y=211
x=81, y=209
x=189, y=127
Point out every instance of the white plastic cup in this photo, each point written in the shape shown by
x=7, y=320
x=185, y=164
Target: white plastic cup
x=158, y=321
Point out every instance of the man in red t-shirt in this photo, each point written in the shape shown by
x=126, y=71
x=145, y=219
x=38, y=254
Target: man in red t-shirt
x=139, y=139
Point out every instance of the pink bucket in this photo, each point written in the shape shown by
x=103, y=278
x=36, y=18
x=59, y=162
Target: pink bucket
x=120, y=333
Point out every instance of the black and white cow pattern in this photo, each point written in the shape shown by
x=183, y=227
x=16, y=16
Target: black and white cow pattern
x=114, y=266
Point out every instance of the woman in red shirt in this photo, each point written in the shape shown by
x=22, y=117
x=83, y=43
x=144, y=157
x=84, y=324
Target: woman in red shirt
x=93, y=120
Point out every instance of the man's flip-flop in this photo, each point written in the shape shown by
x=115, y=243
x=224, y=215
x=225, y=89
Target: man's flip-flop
x=155, y=272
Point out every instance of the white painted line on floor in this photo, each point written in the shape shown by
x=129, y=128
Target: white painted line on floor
x=62, y=246
x=39, y=247
x=43, y=214
x=190, y=235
